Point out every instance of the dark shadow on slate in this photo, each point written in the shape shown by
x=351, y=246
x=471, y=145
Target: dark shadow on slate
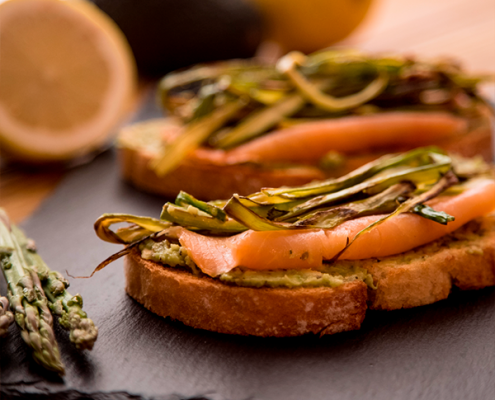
x=442, y=351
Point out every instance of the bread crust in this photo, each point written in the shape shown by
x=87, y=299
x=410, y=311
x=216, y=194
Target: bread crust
x=209, y=304
x=209, y=181
x=465, y=258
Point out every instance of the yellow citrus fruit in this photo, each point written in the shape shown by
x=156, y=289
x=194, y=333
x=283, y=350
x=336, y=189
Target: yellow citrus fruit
x=310, y=25
x=67, y=77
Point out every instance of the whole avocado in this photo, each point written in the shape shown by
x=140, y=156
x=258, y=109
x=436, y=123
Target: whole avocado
x=168, y=34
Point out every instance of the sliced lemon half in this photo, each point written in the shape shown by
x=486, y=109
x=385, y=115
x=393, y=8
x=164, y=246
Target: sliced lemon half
x=67, y=77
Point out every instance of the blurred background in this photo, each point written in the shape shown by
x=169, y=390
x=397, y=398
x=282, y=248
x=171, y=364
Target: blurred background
x=165, y=35
x=72, y=72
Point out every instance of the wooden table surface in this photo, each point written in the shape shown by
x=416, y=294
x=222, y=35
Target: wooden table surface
x=464, y=29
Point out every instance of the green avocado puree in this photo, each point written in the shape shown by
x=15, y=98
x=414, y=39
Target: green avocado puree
x=167, y=253
x=174, y=255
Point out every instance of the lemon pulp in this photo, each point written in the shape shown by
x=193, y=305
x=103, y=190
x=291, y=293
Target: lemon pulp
x=66, y=78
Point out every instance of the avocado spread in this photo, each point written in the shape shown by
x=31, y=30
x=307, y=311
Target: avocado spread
x=330, y=276
x=144, y=136
x=167, y=253
x=174, y=255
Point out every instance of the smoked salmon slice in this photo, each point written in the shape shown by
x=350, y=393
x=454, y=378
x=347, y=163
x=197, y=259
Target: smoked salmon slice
x=305, y=249
x=309, y=142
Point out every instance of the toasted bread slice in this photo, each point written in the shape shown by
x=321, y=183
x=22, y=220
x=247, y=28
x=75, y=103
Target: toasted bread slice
x=209, y=181
x=206, y=303
x=465, y=258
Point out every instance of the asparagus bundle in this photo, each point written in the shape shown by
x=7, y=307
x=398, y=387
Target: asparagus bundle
x=33, y=290
x=6, y=316
x=83, y=332
x=224, y=105
x=28, y=301
x=389, y=186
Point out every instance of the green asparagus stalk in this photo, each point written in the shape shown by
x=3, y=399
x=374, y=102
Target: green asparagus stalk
x=258, y=122
x=6, y=316
x=28, y=300
x=287, y=66
x=410, y=205
x=195, y=134
x=83, y=332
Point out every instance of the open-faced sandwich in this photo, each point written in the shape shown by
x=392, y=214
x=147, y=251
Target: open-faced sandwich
x=307, y=118
x=398, y=232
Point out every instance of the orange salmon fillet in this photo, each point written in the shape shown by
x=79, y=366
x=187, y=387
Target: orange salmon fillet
x=308, y=142
x=303, y=249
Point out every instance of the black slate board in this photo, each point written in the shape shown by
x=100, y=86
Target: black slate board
x=442, y=351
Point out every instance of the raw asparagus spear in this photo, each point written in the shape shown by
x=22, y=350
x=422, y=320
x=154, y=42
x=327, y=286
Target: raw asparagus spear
x=83, y=332
x=28, y=300
x=6, y=316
